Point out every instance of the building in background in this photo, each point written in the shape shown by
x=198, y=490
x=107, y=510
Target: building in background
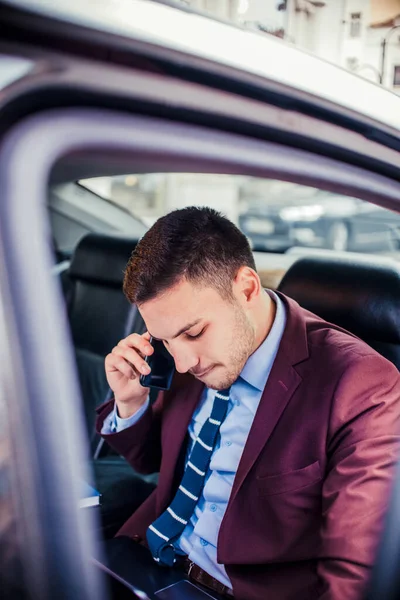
x=222, y=9
x=262, y=15
x=384, y=31
x=362, y=36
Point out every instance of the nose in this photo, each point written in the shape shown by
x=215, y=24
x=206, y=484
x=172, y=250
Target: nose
x=184, y=359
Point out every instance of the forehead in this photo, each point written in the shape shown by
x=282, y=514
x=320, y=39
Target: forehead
x=182, y=304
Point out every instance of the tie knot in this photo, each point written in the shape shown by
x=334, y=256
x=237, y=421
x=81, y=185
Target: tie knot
x=224, y=393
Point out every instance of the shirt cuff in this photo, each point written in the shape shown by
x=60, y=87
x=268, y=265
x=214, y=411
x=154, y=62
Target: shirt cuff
x=113, y=423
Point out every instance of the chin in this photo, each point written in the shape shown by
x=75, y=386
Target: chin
x=221, y=382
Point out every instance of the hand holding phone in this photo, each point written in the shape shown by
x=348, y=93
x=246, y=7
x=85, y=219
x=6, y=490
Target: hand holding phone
x=124, y=365
x=162, y=367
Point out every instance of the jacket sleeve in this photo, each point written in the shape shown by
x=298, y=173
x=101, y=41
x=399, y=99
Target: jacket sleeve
x=139, y=444
x=362, y=448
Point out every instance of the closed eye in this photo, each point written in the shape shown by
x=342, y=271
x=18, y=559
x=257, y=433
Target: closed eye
x=195, y=337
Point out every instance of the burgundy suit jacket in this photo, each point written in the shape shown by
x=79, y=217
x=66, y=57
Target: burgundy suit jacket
x=307, y=505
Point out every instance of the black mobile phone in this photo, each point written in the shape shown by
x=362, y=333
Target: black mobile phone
x=162, y=367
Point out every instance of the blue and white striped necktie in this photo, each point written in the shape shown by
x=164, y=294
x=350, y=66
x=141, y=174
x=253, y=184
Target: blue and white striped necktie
x=165, y=530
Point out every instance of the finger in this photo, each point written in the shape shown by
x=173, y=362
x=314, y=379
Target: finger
x=137, y=342
x=117, y=363
x=133, y=358
x=150, y=349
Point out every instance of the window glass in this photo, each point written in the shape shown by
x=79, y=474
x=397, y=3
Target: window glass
x=76, y=210
x=276, y=216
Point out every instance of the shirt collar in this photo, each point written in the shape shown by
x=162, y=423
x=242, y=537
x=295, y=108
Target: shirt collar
x=251, y=372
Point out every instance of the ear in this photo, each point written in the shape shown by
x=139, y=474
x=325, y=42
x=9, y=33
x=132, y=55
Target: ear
x=247, y=286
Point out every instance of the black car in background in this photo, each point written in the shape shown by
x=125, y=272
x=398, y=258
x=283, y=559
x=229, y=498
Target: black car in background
x=321, y=221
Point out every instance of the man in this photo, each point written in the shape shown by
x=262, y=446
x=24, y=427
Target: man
x=286, y=424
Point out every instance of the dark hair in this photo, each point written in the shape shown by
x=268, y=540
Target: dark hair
x=198, y=244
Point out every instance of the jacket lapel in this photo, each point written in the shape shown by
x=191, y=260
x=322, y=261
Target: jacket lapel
x=281, y=385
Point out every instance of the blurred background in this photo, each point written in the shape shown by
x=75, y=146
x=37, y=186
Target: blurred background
x=359, y=35
x=362, y=36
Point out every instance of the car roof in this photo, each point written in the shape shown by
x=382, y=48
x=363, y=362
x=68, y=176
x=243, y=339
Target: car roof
x=197, y=35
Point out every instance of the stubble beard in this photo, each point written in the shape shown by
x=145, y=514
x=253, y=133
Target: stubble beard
x=242, y=346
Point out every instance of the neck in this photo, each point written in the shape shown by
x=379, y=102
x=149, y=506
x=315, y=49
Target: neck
x=264, y=319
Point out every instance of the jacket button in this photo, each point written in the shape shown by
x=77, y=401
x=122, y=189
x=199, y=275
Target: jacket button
x=136, y=538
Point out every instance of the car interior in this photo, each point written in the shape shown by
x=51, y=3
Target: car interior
x=358, y=292
x=91, y=235
x=108, y=122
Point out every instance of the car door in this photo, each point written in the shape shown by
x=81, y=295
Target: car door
x=80, y=99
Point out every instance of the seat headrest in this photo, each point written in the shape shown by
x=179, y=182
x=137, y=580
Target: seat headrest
x=102, y=258
x=360, y=295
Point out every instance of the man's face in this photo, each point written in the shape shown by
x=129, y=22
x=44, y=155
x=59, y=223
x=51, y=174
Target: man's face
x=207, y=335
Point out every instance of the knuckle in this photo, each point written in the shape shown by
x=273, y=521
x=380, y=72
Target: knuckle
x=131, y=340
x=133, y=356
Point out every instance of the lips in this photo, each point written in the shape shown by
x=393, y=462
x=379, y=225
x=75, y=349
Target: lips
x=202, y=373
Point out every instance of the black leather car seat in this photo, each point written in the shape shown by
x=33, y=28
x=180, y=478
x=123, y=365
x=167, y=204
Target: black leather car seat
x=99, y=316
x=98, y=312
x=361, y=295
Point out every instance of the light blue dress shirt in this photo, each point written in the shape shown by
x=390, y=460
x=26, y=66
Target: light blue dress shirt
x=199, y=538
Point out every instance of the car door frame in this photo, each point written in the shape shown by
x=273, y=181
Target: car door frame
x=25, y=169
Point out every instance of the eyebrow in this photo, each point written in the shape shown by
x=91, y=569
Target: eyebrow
x=186, y=328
